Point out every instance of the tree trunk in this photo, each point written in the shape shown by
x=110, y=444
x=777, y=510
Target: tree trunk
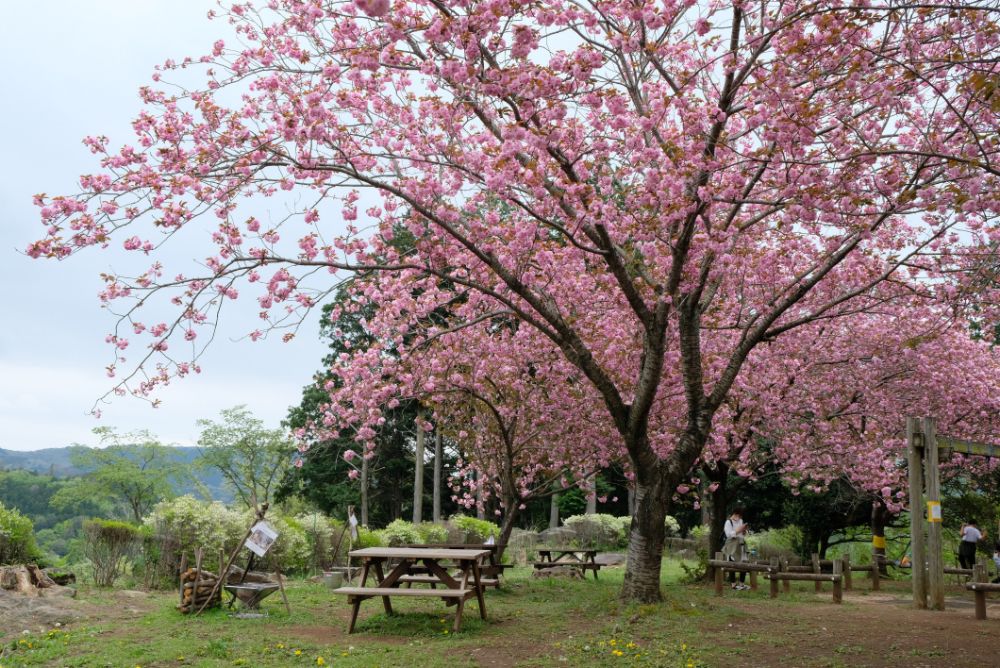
x=706, y=500
x=554, y=511
x=631, y=500
x=592, y=496
x=880, y=516
x=364, y=491
x=437, y=475
x=645, y=542
x=480, y=508
x=418, y=474
x=720, y=500
x=507, y=528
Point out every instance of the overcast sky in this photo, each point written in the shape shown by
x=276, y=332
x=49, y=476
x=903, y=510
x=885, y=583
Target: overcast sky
x=73, y=69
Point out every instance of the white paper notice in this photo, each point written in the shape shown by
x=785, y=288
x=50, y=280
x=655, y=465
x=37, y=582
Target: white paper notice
x=262, y=537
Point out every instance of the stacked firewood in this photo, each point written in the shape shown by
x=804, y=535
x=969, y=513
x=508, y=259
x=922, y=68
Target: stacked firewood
x=199, y=588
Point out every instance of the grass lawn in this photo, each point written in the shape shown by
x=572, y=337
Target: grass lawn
x=531, y=622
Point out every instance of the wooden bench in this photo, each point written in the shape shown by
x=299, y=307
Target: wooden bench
x=419, y=564
x=574, y=564
x=568, y=556
x=364, y=593
x=433, y=581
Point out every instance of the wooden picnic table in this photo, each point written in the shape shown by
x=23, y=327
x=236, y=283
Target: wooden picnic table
x=490, y=571
x=423, y=563
x=575, y=557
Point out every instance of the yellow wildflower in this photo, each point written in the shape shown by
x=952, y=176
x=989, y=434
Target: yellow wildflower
x=298, y=652
x=618, y=652
x=320, y=661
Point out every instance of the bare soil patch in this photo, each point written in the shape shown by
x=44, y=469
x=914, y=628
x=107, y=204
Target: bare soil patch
x=873, y=629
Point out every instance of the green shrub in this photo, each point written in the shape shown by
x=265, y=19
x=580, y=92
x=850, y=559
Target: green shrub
x=432, y=533
x=399, y=532
x=367, y=538
x=17, y=538
x=291, y=551
x=607, y=531
x=188, y=523
x=598, y=530
x=109, y=546
x=477, y=530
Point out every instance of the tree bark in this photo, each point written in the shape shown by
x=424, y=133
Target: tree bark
x=880, y=515
x=418, y=474
x=437, y=476
x=645, y=542
x=720, y=500
x=364, y=491
x=554, y=511
x=592, y=496
x=480, y=508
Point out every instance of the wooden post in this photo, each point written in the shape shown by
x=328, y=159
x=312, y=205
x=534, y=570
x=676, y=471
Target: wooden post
x=718, y=575
x=785, y=584
x=838, y=581
x=979, y=575
x=817, y=570
x=222, y=563
x=846, y=567
x=935, y=560
x=876, y=576
x=775, y=568
x=918, y=568
x=753, y=580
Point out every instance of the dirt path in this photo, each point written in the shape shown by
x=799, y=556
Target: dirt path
x=873, y=629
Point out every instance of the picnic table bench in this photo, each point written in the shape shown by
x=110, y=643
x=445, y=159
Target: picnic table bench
x=582, y=559
x=490, y=571
x=424, y=563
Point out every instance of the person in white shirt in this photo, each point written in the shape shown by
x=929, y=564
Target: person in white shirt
x=735, y=547
x=971, y=535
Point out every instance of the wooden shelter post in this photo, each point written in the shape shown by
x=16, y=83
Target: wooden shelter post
x=935, y=559
x=914, y=452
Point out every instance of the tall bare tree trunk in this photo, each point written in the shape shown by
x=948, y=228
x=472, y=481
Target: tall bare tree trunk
x=364, y=491
x=418, y=473
x=437, y=475
x=592, y=496
x=554, y=511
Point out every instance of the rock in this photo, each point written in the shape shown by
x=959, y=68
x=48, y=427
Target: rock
x=610, y=558
x=559, y=572
x=59, y=592
x=18, y=611
x=557, y=537
x=131, y=593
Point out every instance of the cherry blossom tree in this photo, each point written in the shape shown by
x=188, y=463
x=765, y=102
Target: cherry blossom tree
x=657, y=188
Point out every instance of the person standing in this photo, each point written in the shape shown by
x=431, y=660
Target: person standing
x=735, y=547
x=971, y=535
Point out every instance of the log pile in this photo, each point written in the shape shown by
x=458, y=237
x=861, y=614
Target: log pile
x=196, y=589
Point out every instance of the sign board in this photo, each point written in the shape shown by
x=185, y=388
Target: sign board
x=352, y=521
x=933, y=511
x=262, y=537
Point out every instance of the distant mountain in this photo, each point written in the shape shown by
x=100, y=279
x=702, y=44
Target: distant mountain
x=56, y=462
